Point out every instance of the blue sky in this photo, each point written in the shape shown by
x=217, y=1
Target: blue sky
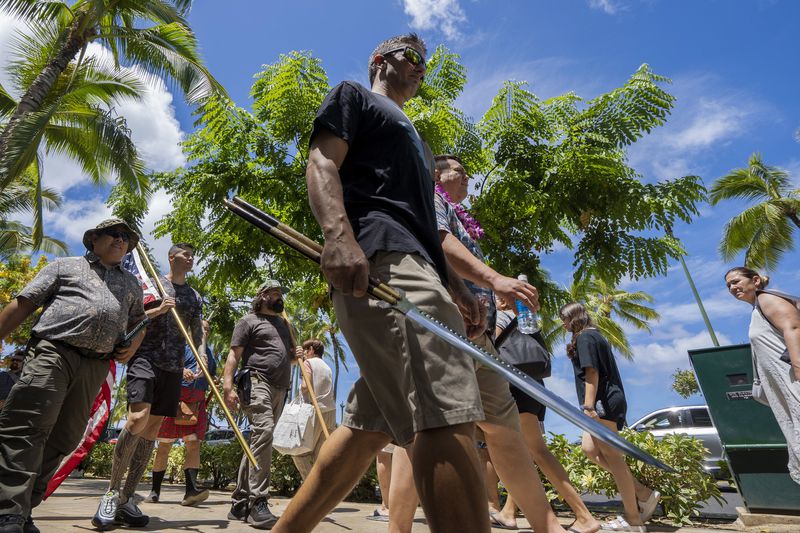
x=733, y=66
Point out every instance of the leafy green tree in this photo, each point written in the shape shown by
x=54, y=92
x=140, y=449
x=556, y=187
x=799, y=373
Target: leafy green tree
x=16, y=272
x=765, y=230
x=560, y=175
x=555, y=172
x=27, y=195
x=684, y=383
x=151, y=34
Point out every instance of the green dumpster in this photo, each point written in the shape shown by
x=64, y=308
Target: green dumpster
x=750, y=436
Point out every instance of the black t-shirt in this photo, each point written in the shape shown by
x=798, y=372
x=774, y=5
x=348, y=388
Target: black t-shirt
x=594, y=351
x=387, y=175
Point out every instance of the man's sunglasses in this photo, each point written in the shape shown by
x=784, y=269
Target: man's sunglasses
x=413, y=57
x=117, y=234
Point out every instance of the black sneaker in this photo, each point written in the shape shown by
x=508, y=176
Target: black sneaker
x=260, y=516
x=11, y=523
x=239, y=511
x=129, y=514
x=194, y=497
x=29, y=526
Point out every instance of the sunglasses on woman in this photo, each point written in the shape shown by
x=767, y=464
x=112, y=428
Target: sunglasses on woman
x=117, y=234
x=413, y=57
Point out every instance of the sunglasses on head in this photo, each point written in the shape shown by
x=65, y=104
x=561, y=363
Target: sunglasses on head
x=413, y=57
x=117, y=234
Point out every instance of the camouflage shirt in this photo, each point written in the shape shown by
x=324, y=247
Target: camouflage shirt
x=86, y=304
x=164, y=344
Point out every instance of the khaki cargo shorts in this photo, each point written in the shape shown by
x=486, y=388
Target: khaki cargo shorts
x=410, y=379
x=498, y=403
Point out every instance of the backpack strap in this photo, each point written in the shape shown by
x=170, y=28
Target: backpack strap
x=788, y=297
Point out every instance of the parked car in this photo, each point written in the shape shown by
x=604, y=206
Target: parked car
x=692, y=420
x=224, y=436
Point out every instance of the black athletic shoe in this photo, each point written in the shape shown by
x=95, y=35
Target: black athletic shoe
x=29, y=526
x=260, y=516
x=11, y=523
x=239, y=511
x=129, y=514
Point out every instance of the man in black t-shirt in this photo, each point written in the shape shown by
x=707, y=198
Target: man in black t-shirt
x=154, y=388
x=370, y=181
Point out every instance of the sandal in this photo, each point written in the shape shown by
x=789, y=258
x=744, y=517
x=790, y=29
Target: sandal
x=620, y=524
x=495, y=522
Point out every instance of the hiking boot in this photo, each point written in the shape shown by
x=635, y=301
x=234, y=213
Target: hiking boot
x=152, y=497
x=29, y=526
x=128, y=514
x=104, y=517
x=11, y=523
x=260, y=516
x=239, y=511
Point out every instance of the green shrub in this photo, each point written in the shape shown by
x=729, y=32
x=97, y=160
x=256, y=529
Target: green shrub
x=98, y=462
x=682, y=491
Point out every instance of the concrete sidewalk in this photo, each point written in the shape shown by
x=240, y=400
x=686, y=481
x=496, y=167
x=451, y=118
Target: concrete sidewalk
x=72, y=506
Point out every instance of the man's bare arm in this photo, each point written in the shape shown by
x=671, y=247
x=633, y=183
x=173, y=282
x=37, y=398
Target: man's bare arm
x=231, y=364
x=343, y=262
x=473, y=269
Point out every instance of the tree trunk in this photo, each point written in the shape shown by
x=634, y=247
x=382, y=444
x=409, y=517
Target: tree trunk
x=41, y=87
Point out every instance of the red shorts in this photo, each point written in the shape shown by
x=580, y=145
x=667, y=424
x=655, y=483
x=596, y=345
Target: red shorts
x=170, y=430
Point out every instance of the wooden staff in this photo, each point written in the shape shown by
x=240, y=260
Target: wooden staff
x=200, y=363
x=307, y=381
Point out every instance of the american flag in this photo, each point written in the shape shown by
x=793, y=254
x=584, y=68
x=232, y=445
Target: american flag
x=133, y=264
x=101, y=408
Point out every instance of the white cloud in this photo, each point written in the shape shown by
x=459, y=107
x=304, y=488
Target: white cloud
x=713, y=121
x=697, y=126
x=608, y=6
x=444, y=15
x=657, y=360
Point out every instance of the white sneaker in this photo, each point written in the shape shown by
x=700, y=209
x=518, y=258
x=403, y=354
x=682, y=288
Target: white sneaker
x=647, y=508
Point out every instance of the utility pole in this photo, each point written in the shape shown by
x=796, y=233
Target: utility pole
x=696, y=294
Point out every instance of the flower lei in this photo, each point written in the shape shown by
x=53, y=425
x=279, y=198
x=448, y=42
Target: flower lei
x=472, y=226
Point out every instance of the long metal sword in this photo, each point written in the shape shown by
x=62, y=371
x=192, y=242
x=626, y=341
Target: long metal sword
x=395, y=299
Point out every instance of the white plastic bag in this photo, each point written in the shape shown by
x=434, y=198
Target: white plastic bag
x=294, y=432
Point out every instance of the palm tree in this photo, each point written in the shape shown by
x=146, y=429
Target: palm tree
x=79, y=125
x=763, y=231
x=166, y=48
x=25, y=195
x=610, y=307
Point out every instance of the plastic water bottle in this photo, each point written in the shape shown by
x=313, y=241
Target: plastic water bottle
x=526, y=319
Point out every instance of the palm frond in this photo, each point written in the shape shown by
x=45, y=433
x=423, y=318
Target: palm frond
x=34, y=10
x=169, y=52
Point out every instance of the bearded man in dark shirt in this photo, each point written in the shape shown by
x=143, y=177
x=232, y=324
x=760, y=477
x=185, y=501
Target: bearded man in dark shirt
x=154, y=389
x=262, y=342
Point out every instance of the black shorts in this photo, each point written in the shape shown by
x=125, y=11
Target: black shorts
x=526, y=404
x=149, y=384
